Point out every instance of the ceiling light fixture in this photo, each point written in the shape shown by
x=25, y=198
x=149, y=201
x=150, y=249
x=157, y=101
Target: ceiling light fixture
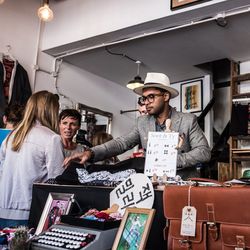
x=45, y=13
x=1, y=1
x=137, y=81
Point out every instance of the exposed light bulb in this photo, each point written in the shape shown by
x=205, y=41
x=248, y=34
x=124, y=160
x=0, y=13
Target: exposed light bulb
x=137, y=81
x=45, y=13
x=134, y=85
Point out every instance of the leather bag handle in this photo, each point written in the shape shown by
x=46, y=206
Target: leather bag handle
x=197, y=180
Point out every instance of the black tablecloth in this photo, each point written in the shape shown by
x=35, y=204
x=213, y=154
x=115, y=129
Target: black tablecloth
x=95, y=197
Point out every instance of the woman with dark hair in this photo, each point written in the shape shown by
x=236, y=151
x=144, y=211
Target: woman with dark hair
x=13, y=114
x=69, y=123
x=31, y=153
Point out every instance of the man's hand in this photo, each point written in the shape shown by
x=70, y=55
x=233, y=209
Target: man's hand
x=81, y=157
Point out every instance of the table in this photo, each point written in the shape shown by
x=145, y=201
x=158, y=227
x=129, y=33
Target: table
x=96, y=197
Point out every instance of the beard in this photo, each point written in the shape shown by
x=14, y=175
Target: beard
x=156, y=110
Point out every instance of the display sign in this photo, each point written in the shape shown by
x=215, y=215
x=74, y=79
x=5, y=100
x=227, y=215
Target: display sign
x=161, y=155
x=135, y=191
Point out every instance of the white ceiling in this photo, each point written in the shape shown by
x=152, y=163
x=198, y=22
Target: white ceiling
x=175, y=52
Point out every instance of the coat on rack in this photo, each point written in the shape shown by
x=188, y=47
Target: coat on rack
x=20, y=89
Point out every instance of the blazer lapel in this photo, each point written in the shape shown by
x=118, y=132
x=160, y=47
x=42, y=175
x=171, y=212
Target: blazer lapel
x=151, y=124
x=175, y=121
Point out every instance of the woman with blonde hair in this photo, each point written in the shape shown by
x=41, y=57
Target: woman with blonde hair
x=31, y=153
x=100, y=138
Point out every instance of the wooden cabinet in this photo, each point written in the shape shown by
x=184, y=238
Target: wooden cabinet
x=237, y=153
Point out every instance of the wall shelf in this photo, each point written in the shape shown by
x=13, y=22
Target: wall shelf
x=237, y=154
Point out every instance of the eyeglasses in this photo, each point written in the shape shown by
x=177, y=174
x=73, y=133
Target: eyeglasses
x=150, y=98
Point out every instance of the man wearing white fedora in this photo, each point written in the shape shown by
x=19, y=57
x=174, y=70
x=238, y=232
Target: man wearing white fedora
x=155, y=94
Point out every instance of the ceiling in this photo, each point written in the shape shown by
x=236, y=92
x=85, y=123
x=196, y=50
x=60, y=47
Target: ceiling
x=175, y=52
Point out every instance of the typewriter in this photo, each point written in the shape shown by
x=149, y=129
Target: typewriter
x=64, y=236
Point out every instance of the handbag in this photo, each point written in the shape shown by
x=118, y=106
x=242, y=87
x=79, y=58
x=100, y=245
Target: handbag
x=222, y=219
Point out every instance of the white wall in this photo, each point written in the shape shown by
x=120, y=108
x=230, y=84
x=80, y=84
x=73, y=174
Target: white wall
x=77, y=19
x=86, y=88
x=207, y=96
x=19, y=28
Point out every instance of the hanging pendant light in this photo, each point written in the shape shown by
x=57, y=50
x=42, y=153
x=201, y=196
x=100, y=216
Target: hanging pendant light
x=45, y=13
x=137, y=81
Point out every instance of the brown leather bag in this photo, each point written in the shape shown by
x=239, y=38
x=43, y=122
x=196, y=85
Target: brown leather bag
x=223, y=217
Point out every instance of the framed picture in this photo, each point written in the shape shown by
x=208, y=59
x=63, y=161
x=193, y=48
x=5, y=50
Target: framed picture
x=181, y=3
x=134, y=229
x=57, y=204
x=191, y=97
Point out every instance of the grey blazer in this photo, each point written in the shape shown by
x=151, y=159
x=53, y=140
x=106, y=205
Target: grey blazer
x=194, y=150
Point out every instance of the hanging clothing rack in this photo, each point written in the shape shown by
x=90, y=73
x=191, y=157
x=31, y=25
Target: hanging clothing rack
x=127, y=111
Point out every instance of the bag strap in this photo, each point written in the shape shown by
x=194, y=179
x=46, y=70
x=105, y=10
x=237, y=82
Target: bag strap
x=197, y=180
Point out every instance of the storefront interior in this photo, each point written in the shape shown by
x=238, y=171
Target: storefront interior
x=89, y=52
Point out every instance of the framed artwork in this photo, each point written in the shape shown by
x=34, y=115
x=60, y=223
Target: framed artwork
x=191, y=97
x=134, y=229
x=57, y=204
x=181, y=3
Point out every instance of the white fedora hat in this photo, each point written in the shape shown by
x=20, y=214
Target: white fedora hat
x=157, y=80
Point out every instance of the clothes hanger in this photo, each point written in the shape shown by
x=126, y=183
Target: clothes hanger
x=8, y=55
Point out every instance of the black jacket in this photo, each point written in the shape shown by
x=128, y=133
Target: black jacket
x=21, y=90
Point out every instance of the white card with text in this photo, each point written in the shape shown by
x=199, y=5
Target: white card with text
x=136, y=191
x=161, y=155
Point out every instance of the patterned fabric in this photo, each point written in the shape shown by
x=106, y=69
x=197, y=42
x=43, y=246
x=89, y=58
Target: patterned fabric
x=8, y=65
x=79, y=148
x=51, y=181
x=103, y=177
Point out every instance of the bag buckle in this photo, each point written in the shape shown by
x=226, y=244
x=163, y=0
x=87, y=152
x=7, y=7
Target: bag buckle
x=186, y=243
x=240, y=242
x=213, y=230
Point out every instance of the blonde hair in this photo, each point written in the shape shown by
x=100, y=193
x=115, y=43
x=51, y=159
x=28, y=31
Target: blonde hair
x=42, y=106
x=101, y=137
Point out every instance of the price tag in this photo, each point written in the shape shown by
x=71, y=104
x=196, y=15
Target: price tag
x=188, y=221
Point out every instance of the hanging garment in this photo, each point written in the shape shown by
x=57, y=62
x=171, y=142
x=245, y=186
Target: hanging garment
x=18, y=86
x=9, y=66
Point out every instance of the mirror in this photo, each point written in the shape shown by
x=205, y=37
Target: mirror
x=94, y=120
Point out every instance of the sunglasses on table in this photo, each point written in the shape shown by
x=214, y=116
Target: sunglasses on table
x=150, y=98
